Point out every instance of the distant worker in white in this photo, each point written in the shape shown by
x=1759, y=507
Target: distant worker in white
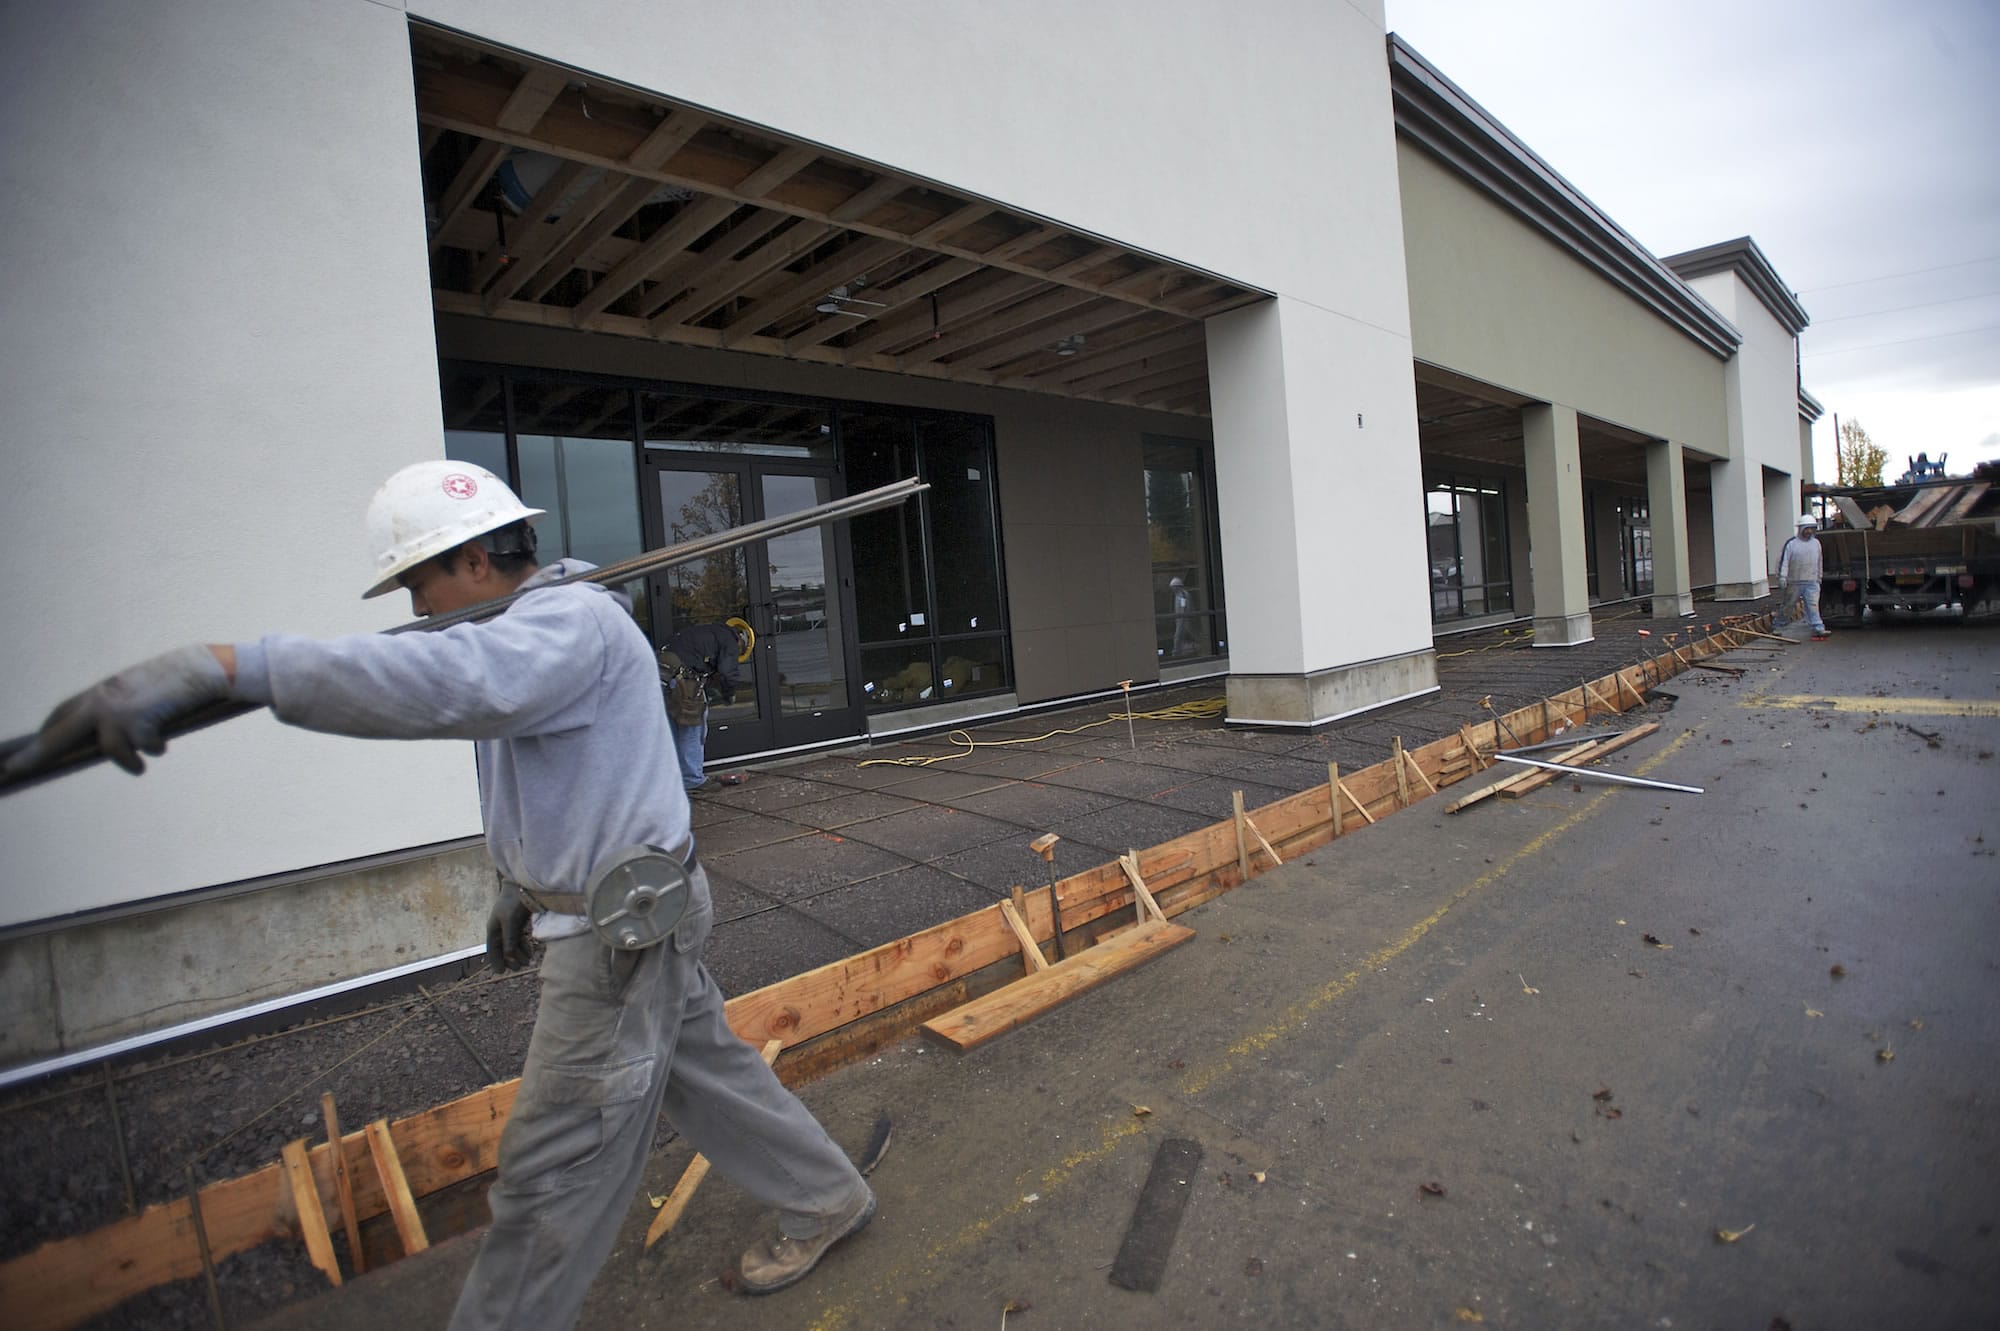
x=560, y=694
x=1800, y=565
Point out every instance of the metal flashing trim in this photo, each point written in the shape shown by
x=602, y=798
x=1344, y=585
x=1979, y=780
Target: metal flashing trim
x=46, y=1067
x=1742, y=257
x=1436, y=114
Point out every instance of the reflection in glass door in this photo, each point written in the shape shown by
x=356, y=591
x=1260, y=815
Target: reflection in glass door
x=794, y=689
x=805, y=639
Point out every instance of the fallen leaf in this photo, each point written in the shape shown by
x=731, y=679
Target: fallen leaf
x=1884, y=1054
x=1254, y=1267
x=1664, y=947
x=1467, y=1315
x=655, y=1202
x=1178, y=1064
x=729, y=1280
x=1430, y=1189
x=1916, y=1023
x=1731, y=1235
x=1637, y=975
x=1258, y=1175
x=1601, y=1093
x=1839, y=972
x=1140, y=1111
x=1526, y=988
x=1613, y=1112
x=1694, y=931
x=1814, y=1012
x=1017, y=1306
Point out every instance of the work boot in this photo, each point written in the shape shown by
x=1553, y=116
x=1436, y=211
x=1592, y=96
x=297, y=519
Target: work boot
x=772, y=1264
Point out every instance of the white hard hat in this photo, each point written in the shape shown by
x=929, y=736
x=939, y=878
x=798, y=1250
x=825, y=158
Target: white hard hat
x=428, y=508
x=1808, y=520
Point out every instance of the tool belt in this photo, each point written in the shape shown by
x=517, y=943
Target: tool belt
x=634, y=899
x=687, y=689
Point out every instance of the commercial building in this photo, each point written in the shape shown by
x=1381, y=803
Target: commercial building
x=1234, y=342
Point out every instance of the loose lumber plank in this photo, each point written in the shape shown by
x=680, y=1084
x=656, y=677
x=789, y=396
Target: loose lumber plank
x=1019, y=1003
x=312, y=1217
x=396, y=1186
x=343, y=1182
x=1031, y=955
x=1505, y=784
x=677, y=1201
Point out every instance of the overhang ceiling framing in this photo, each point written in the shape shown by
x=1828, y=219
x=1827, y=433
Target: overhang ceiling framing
x=1464, y=420
x=665, y=223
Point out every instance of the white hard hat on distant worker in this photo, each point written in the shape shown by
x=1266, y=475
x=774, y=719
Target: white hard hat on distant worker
x=1808, y=520
x=428, y=508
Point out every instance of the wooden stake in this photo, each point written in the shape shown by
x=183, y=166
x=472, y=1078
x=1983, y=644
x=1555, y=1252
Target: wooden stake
x=697, y=1170
x=1359, y=807
x=1410, y=761
x=1031, y=956
x=396, y=1188
x=343, y=1183
x=1266, y=845
x=1402, y=777
x=1479, y=760
x=1589, y=693
x=1333, y=795
x=1242, y=843
x=1637, y=699
x=312, y=1216
x=1142, y=898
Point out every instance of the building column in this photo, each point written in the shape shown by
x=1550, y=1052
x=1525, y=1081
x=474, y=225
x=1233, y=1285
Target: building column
x=1320, y=491
x=1666, y=508
x=1738, y=490
x=1555, y=525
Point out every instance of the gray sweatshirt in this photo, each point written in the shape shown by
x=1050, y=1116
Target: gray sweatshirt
x=560, y=695
x=1799, y=561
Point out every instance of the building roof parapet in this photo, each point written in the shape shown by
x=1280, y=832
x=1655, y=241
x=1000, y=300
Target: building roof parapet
x=1436, y=114
x=1809, y=408
x=1742, y=257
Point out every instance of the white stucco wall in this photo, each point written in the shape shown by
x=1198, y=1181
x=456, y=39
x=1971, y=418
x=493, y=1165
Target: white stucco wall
x=1200, y=131
x=216, y=341
x=1763, y=396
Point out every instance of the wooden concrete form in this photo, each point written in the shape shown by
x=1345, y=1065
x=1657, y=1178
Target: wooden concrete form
x=835, y=1014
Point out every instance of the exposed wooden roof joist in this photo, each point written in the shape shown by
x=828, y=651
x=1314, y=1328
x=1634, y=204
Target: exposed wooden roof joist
x=657, y=220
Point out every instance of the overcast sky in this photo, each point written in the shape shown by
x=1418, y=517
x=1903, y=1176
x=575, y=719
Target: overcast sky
x=1857, y=141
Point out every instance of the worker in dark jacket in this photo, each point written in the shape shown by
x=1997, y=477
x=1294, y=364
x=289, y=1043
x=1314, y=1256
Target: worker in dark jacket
x=557, y=693
x=695, y=659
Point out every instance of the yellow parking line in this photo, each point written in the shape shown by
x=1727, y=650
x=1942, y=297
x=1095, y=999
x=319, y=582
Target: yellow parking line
x=1900, y=706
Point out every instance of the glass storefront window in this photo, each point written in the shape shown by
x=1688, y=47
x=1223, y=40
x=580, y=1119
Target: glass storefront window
x=927, y=584
x=1466, y=527
x=1187, y=617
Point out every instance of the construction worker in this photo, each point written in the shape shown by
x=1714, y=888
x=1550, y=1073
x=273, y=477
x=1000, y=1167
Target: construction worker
x=560, y=695
x=1799, y=568
x=694, y=659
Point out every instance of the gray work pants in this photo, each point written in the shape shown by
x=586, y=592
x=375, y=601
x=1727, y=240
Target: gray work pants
x=620, y=1038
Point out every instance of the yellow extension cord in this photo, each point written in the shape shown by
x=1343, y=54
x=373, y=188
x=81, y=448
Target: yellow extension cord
x=1201, y=709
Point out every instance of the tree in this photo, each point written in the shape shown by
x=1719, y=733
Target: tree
x=1859, y=459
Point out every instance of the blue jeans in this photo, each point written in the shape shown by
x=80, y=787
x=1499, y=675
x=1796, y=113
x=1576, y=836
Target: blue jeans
x=622, y=1039
x=689, y=743
x=1796, y=591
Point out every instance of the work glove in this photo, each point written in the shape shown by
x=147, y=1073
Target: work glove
x=507, y=930
x=126, y=712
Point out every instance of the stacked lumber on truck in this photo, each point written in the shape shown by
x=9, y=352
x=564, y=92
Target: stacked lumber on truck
x=824, y=1018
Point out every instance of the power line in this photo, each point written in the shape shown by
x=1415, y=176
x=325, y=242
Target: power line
x=1914, y=272
x=1898, y=309
x=1935, y=337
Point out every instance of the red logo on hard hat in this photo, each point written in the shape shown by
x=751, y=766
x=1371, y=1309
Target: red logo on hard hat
x=460, y=486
